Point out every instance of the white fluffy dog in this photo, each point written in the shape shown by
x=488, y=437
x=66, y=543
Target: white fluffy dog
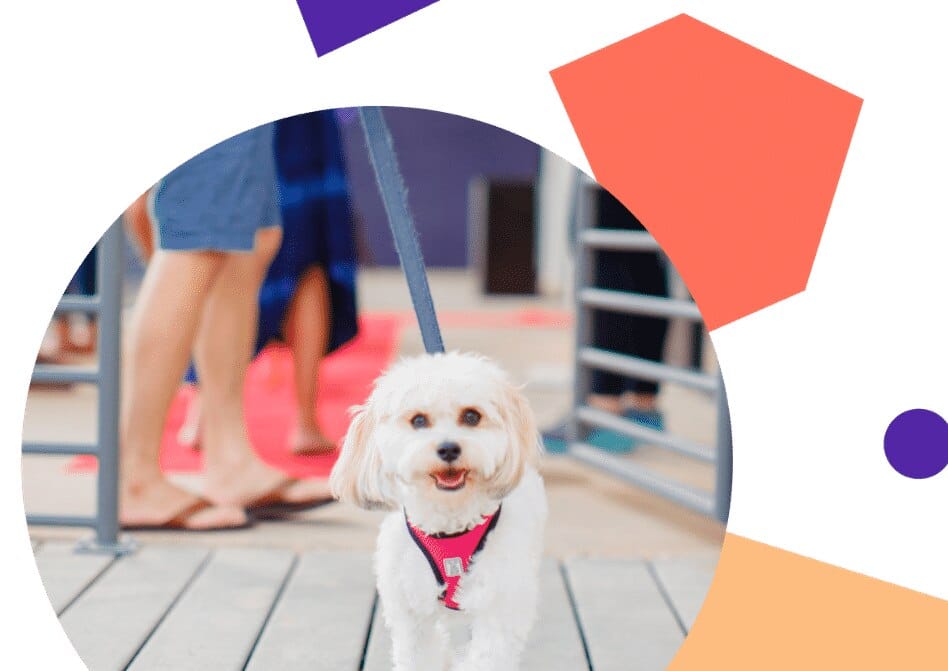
x=451, y=446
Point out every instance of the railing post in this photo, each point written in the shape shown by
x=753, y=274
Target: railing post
x=109, y=280
x=583, y=277
x=723, y=471
x=588, y=240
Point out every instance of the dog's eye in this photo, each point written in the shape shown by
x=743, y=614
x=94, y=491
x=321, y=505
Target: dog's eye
x=470, y=417
x=419, y=421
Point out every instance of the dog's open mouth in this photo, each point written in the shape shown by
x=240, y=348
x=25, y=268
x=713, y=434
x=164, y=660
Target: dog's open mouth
x=450, y=480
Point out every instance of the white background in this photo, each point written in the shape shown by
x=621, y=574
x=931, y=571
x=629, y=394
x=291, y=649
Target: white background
x=102, y=98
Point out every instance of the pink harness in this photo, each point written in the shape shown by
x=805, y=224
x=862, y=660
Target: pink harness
x=449, y=555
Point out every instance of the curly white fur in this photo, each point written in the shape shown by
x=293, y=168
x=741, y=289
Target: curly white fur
x=390, y=460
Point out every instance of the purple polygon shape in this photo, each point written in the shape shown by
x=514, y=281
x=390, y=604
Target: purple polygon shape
x=336, y=23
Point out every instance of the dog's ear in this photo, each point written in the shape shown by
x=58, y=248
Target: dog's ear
x=524, y=444
x=357, y=476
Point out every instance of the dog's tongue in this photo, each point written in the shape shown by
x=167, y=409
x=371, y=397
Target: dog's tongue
x=450, y=478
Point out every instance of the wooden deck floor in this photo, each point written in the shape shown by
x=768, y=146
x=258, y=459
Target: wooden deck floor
x=183, y=608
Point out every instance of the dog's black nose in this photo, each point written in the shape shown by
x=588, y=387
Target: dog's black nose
x=449, y=451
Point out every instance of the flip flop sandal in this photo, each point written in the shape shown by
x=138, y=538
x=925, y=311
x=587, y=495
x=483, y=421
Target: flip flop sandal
x=275, y=505
x=314, y=450
x=180, y=521
x=51, y=386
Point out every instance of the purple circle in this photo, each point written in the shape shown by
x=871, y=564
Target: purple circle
x=916, y=443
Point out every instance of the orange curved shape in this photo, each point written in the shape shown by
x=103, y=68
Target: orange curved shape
x=775, y=610
x=729, y=156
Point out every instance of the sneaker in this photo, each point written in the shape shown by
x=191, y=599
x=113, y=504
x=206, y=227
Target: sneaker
x=652, y=419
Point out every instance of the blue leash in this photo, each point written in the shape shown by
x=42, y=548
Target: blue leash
x=395, y=199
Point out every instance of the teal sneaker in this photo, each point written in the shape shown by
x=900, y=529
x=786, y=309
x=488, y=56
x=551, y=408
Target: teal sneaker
x=652, y=419
x=554, y=440
x=610, y=441
x=617, y=443
x=601, y=438
x=554, y=445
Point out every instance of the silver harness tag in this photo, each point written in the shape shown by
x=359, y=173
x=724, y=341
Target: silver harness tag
x=453, y=567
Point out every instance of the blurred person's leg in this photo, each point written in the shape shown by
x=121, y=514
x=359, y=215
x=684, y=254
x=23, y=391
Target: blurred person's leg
x=217, y=201
x=224, y=347
x=317, y=259
x=189, y=433
x=642, y=394
x=648, y=277
x=162, y=328
x=635, y=335
x=75, y=332
x=138, y=226
x=611, y=332
x=82, y=328
x=307, y=332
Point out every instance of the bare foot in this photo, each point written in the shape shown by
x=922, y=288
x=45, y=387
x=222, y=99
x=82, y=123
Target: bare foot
x=310, y=440
x=237, y=476
x=51, y=348
x=244, y=486
x=189, y=435
x=81, y=335
x=155, y=503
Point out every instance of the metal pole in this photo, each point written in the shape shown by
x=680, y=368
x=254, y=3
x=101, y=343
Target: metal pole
x=109, y=271
x=722, y=485
x=583, y=277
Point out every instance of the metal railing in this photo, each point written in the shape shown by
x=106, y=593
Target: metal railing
x=107, y=306
x=590, y=240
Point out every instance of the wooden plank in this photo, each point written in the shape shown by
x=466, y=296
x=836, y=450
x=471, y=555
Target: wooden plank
x=626, y=621
x=378, y=652
x=322, y=618
x=686, y=581
x=554, y=642
x=66, y=573
x=216, y=622
x=109, y=622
